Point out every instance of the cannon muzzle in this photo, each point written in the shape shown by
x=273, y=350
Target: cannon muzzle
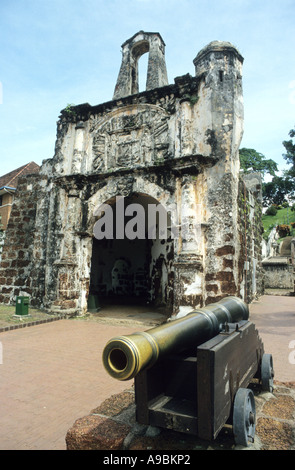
x=125, y=356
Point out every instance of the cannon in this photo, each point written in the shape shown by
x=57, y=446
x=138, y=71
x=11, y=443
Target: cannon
x=194, y=374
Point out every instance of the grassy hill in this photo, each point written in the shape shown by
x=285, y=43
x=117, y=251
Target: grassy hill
x=283, y=216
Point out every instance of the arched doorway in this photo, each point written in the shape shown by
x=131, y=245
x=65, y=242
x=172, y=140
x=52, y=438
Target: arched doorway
x=132, y=253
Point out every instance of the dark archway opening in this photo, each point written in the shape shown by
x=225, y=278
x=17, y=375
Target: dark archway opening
x=136, y=268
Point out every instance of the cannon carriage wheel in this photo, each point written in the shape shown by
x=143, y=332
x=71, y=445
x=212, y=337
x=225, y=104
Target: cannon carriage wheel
x=244, y=417
x=267, y=373
x=244, y=413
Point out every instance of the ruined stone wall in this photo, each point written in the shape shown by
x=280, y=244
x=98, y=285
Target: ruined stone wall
x=2, y=239
x=278, y=273
x=24, y=251
x=250, y=269
x=221, y=257
x=177, y=145
x=5, y=209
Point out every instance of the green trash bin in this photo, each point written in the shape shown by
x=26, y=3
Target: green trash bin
x=93, y=303
x=22, y=305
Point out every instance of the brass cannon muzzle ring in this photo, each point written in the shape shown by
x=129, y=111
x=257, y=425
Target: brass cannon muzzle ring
x=124, y=356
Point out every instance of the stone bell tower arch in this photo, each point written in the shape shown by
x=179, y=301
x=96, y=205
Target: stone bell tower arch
x=132, y=50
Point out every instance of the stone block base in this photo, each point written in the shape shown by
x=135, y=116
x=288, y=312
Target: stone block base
x=96, y=433
x=112, y=427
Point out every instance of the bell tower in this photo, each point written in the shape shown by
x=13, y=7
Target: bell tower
x=132, y=50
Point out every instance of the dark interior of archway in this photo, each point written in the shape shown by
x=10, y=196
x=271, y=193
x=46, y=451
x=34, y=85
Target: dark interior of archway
x=119, y=271
x=129, y=272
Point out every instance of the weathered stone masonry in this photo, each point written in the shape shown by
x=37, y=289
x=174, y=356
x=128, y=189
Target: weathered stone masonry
x=174, y=145
x=251, y=273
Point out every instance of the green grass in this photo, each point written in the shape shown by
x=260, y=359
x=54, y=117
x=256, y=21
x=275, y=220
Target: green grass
x=7, y=316
x=283, y=216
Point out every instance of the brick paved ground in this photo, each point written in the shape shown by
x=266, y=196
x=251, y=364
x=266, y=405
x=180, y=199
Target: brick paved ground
x=274, y=317
x=52, y=374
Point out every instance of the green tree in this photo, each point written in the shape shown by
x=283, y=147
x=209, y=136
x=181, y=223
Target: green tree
x=251, y=159
x=290, y=155
x=279, y=190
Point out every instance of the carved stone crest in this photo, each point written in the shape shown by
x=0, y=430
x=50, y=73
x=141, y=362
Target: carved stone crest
x=130, y=136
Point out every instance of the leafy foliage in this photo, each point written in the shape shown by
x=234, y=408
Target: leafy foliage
x=290, y=155
x=282, y=188
x=250, y=159
x=278, y=190
x=284, y=216
x=283, y=230
x=272, y=210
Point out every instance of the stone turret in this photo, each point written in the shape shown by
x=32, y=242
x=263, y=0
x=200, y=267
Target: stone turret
x=223, y=53
x=221, y=64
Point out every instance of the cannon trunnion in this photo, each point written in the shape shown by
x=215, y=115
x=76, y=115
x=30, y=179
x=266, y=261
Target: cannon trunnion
x=196, y=387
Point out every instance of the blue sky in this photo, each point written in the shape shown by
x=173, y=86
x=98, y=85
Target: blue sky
x=56, y=52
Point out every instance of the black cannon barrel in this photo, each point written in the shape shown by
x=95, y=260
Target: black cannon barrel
x=125, y=356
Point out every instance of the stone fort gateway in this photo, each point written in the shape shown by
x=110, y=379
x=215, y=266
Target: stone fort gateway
x=173, y=148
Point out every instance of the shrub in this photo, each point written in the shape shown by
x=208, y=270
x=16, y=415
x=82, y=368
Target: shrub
x=283, y=230
x=272, y=210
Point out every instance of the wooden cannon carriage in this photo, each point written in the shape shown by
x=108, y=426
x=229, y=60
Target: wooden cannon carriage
x=192, y=375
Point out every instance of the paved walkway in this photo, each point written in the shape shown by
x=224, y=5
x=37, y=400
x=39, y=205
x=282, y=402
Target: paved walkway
x=51, y=374
x=274, y=317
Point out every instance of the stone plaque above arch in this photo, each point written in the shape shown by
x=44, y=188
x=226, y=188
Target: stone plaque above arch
x=129, y=136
